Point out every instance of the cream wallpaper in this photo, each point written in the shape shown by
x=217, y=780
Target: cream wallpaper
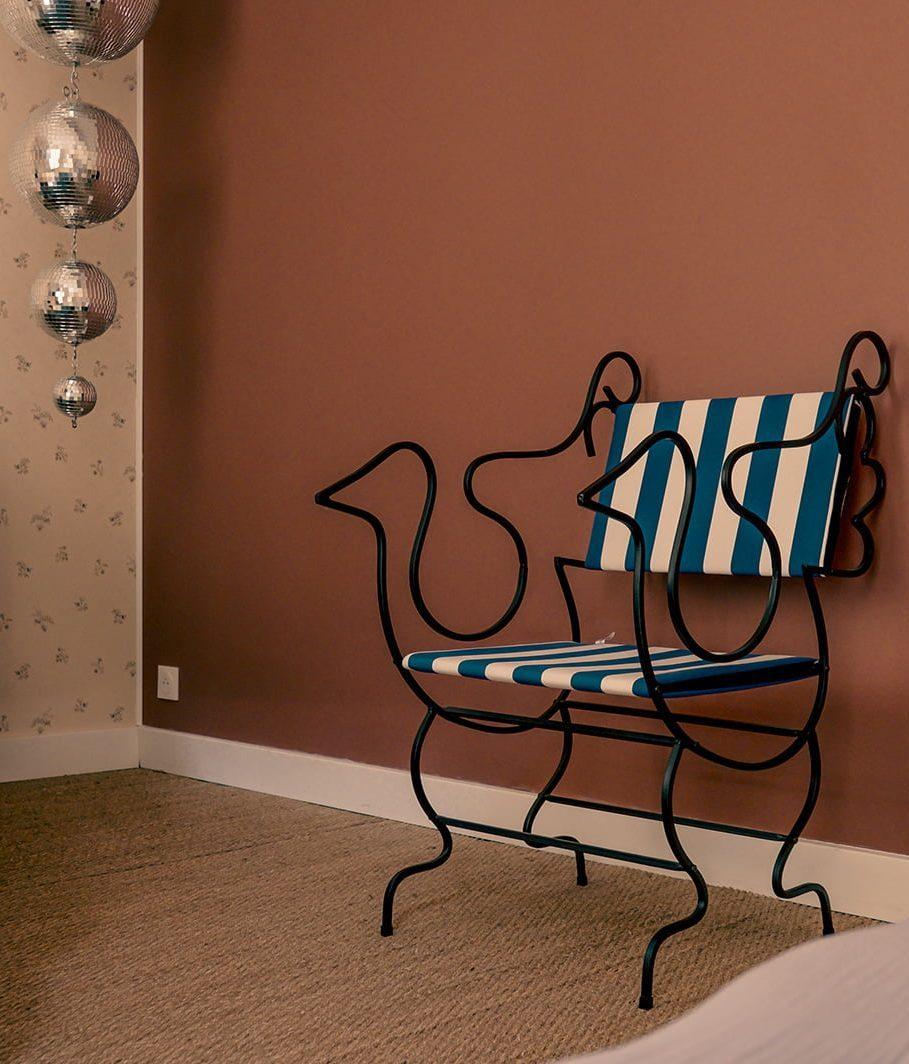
x=67, y=496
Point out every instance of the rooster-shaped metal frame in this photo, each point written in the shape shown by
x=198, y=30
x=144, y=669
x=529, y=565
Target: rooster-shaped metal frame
x=851, y=388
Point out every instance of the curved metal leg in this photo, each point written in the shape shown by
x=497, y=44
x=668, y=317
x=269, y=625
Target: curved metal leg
x=814, y=786
x=424, y=866
x=697, y=914
x=554, y=780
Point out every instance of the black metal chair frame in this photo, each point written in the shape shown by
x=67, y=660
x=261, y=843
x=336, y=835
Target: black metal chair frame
x=558, y=716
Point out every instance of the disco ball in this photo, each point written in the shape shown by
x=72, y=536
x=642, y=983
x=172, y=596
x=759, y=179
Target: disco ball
x=74, y=301
x=75, y=396
x=78, y=31
x=75, y=164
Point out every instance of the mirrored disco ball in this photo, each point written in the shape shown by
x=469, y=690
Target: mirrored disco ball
x=74, y=301
x=75, y=164
x=78, y=31
x=75, y=396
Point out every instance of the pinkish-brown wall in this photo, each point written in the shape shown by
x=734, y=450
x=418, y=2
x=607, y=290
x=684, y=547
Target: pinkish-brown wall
x=372, y=221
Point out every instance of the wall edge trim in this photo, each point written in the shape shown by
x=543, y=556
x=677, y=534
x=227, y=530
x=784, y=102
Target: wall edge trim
x=862, y=882
x=32, y=757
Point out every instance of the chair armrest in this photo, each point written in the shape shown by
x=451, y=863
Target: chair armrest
x=327, y=497
x=587, y=499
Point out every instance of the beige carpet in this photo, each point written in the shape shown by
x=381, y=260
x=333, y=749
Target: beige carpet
x=150, y=918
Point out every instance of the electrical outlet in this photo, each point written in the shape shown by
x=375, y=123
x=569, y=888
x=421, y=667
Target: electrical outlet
x=169, y=682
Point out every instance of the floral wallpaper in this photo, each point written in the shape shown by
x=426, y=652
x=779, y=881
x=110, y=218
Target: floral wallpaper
x=67, y=496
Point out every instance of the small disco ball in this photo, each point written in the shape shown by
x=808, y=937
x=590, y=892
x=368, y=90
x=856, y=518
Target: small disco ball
x=75, y=396
x=75, y=164
x=74, y=301
x=78, y=31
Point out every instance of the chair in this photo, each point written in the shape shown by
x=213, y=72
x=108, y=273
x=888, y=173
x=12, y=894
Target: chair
x=735, y=487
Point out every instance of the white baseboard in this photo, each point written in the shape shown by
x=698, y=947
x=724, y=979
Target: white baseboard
x=863, y=882
x=32, y=757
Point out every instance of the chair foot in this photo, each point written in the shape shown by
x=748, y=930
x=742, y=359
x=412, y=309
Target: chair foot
x=776, y=879
x=580, y=868
x=388, y=901
x=398, y=878
x=689, y=867
x=826, y=912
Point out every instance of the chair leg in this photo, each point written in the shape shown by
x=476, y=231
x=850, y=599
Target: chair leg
x=554, y=780
x=814, y=786
x=697, y=914
x=424, y=866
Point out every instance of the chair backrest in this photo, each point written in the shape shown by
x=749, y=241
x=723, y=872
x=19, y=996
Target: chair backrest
x=797, y=491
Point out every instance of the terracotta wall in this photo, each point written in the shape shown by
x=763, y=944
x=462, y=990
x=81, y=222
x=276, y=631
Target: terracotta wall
x=67, y=497
x=370, y=221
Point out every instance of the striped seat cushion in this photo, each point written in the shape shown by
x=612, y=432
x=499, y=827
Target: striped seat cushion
x=797, y=491
x=610, y=668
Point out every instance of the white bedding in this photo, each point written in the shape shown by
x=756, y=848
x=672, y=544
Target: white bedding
x=837, y=1000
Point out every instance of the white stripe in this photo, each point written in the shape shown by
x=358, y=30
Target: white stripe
x=619, y=678
x=847, y=412
x=790, y=478
x=691, y=428
x=724, y=524
x=627, y=488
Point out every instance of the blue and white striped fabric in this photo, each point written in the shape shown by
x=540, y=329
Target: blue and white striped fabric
x=796, y=490
x=610, y=668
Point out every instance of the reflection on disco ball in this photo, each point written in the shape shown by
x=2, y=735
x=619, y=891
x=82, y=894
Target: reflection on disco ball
x=75, y=164
x=75, y=396
x=74, y=301
x=78, y=31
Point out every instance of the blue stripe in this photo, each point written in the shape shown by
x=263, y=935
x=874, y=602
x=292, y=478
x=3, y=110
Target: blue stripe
x=728, y=677
x=709, y=465
x=598, y=532
x=677, y=677
x=811, y=525
x=746, y=554
x=653, y=484
x=531, y=674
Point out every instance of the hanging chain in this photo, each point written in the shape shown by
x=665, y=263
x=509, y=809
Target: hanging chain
x=71, y=91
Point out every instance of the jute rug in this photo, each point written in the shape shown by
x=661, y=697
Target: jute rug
x=150, y=918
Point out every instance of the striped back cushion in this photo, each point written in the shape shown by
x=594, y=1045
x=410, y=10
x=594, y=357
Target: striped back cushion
x=797, y=491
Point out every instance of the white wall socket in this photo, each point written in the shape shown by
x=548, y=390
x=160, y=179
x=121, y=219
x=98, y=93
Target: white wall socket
x=169, y=682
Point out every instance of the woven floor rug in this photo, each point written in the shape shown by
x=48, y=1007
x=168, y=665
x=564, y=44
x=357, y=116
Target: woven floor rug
x=148, y=918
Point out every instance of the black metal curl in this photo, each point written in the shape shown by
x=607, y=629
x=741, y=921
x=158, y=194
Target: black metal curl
x=590, y=409
x=858, y=519
x=326, y=497
x=846, y=361
x=861, y=392
x=672, y=723
x=582, y=427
